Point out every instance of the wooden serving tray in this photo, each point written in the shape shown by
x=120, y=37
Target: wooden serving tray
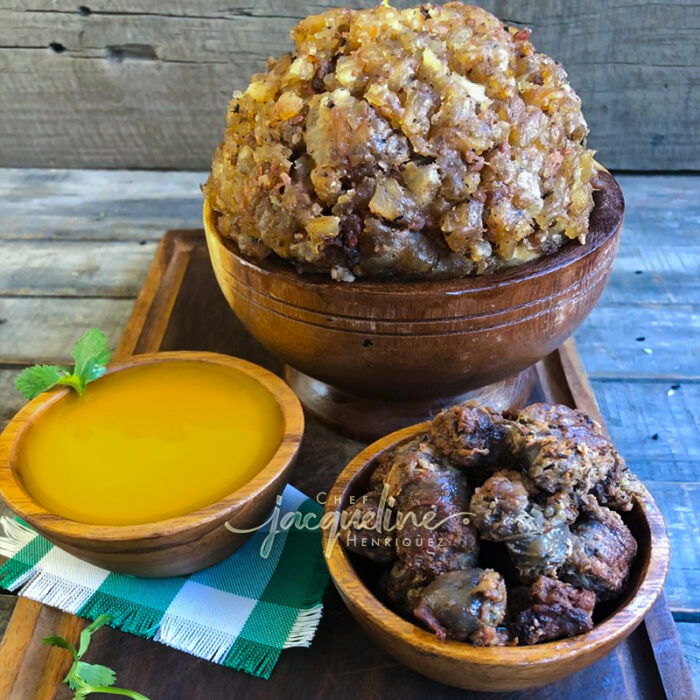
x=180, y=307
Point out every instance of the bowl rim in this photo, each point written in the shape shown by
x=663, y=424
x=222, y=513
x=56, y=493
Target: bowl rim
x=605, y=221
x=23, y=504
x=606, y=634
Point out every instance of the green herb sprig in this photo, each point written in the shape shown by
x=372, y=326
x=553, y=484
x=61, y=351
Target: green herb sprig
x=91, y=356
x=85, y=678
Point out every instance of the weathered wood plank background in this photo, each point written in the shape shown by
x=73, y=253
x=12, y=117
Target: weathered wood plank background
x=143, y=84
x=76, y=245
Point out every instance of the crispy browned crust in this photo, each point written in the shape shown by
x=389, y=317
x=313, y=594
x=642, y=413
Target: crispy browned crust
x=603, y=550
x=555, y=610
x=470, y=435
x=429, y=142
x=562, y=449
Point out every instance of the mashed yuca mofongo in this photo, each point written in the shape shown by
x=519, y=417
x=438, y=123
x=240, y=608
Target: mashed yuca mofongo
x=432, y=142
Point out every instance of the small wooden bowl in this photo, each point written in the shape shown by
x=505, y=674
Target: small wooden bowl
x=492, y=668
x=178, y=545
x=416, y=340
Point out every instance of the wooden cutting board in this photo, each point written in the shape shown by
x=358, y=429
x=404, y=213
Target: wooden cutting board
x=180, y=307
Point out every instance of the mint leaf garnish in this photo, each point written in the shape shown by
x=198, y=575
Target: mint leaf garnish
x=85, y=678
x=91, y=356
x=33, y=381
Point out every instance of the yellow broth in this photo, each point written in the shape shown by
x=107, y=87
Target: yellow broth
x=150, y=443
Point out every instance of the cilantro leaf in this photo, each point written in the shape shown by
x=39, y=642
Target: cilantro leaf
x=91, y=355
x=84, y=678
x=95, y=674
x=75, y=682
x=87, y=633
x=56, y=641
x=33, y=381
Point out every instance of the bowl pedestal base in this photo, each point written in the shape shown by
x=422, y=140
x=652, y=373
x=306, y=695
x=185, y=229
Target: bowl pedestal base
x=366, y=419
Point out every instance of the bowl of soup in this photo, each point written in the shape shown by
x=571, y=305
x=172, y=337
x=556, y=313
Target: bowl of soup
x=158, y=468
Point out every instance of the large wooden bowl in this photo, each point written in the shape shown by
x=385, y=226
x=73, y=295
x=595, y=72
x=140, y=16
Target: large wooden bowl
x=178, y=545
x=492, y=668
x=426, y=339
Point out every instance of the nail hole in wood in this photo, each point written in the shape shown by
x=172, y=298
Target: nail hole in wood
x=56, y=47
x=84, y=10
x=133, y=52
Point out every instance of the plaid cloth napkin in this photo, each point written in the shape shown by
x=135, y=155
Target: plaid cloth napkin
x=240, y=613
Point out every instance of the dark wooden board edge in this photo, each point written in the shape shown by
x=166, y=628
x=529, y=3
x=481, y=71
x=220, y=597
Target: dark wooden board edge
x=30, y=670
x=660, y=628
x=149, y=318
x=666, y=646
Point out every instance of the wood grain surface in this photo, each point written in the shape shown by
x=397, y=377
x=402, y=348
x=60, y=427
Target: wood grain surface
x=133, y=83
x=341, y=662
x=371, y=357
x=655, y=272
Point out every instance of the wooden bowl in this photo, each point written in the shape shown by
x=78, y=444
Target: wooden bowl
x=178, y=545
x=422, y=339
x=492, y=668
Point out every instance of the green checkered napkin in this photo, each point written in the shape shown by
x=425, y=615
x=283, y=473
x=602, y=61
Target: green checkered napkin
x=240, y=613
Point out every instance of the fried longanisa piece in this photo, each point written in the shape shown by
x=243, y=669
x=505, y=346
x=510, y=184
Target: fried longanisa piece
x=364, y=532
x=428, y=498
x=414, y=460
x=499, y=507
x=620, y=488
x=554, y=609
x=467, y=605
x=365, y=536
x=563, y=449
x=470, y=435
x=433, y=496
x=435, y=535
x=602, y=552
x=403, y=586
x=541, y=553
x=506, y=509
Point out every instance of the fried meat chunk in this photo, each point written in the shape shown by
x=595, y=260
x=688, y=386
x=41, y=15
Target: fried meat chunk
x=429, y=530
x=467, y=605
x=506, y=509
x=470, y=435
x=602, y=552
x=563, y=449
x=554, y=609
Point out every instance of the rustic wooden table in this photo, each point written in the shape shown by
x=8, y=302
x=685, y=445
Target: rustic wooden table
x=75, y=246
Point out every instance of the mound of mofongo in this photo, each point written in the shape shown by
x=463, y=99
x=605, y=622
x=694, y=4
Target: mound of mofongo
x=431, y=142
